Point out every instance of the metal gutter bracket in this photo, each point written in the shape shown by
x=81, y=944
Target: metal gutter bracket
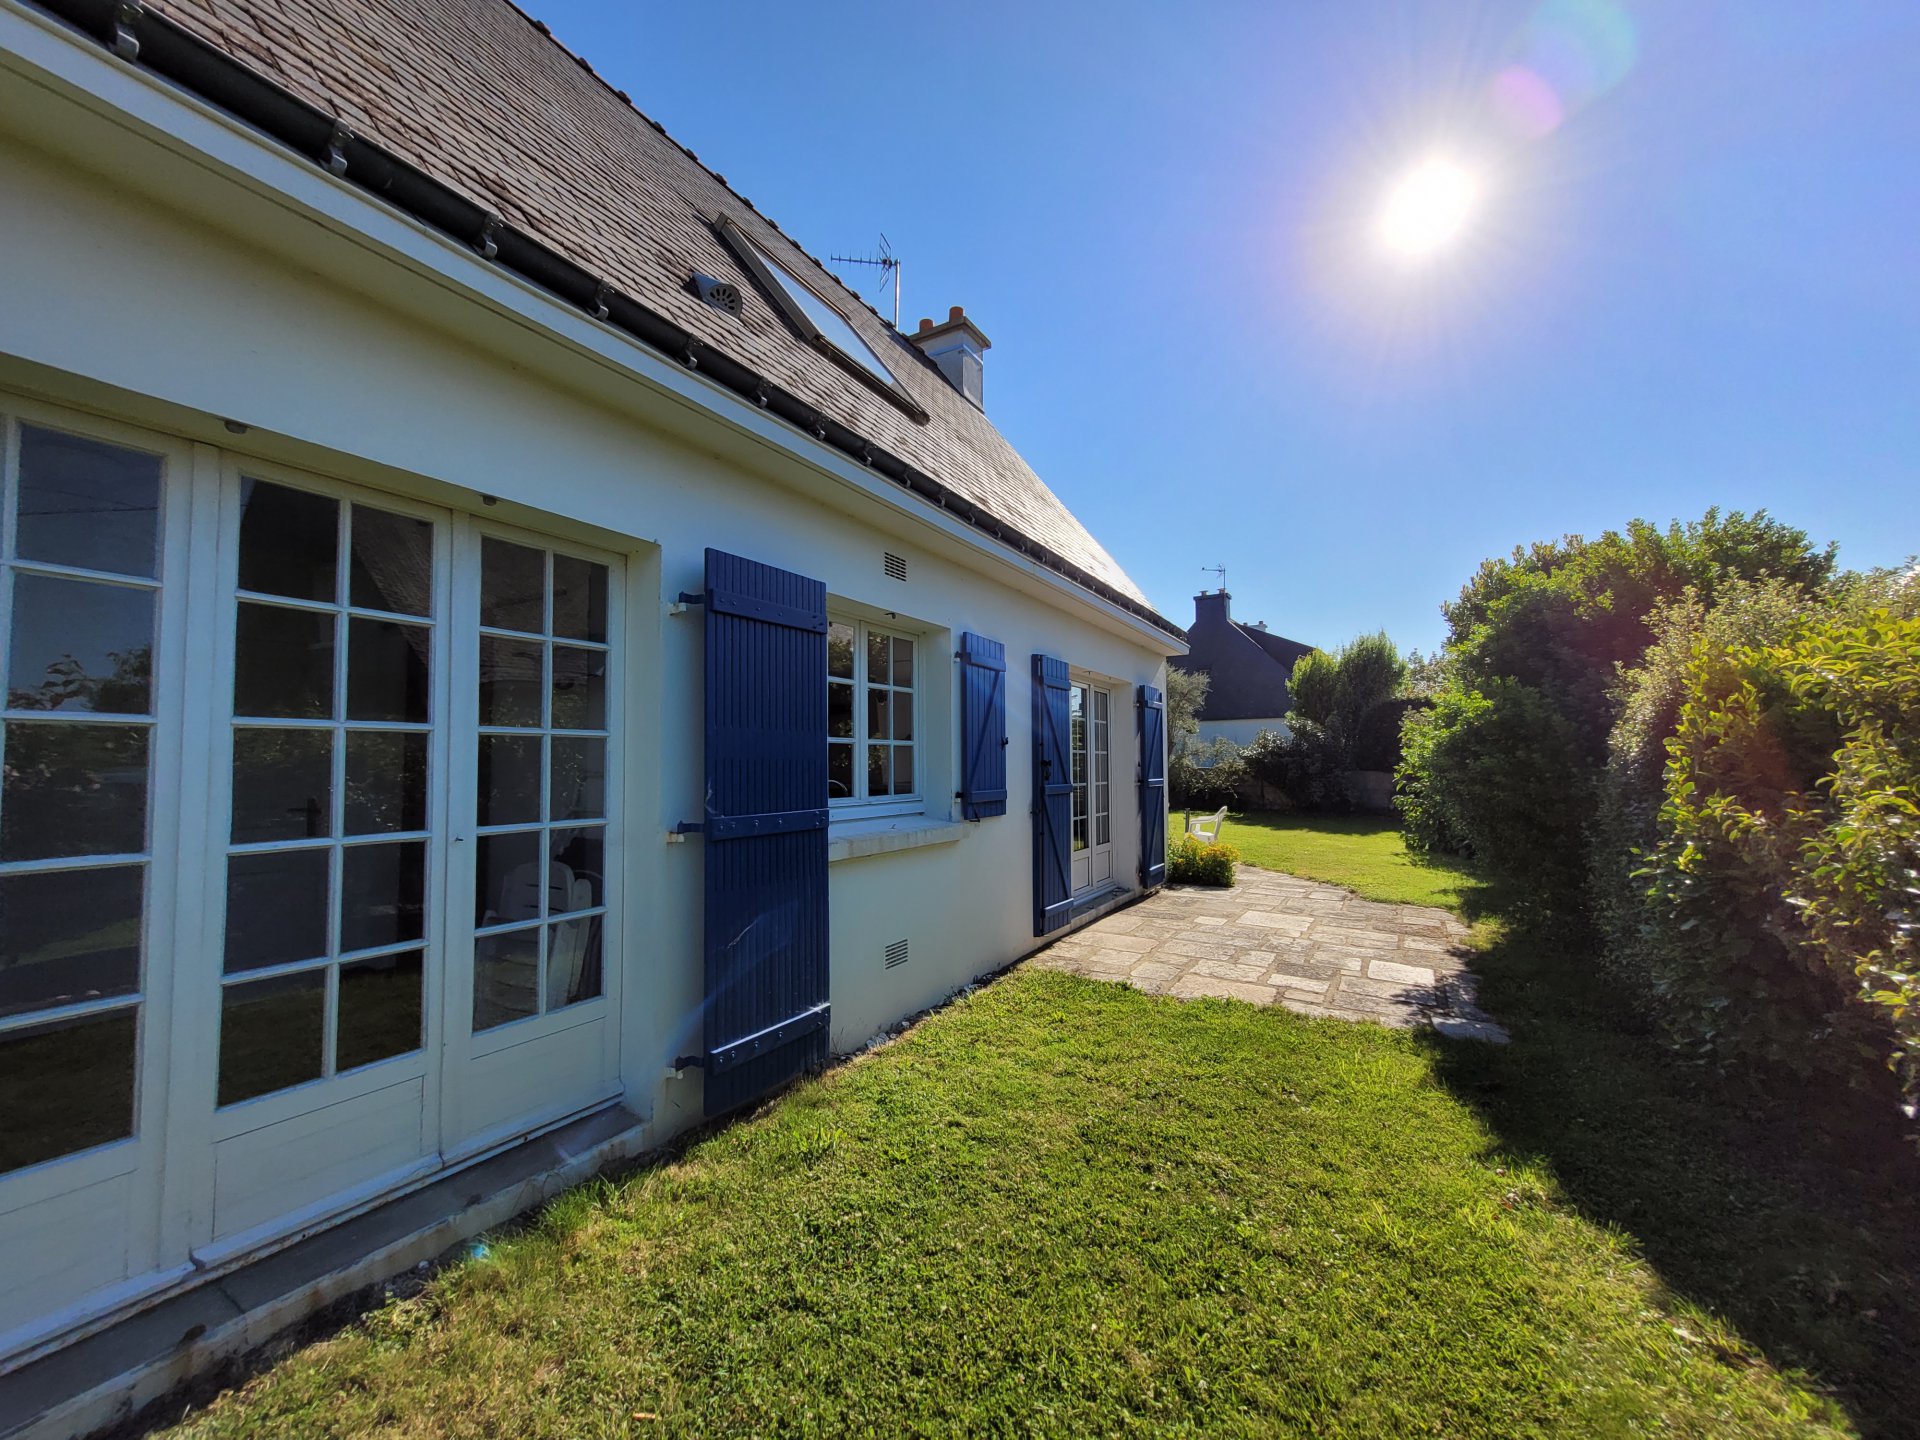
x=489, y=242
x=126, y=15
x=336, y=157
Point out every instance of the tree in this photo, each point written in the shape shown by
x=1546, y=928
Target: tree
x=1333, y=693
x=1535, y=646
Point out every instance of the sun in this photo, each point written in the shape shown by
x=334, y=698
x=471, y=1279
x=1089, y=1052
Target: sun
x=1428, y=208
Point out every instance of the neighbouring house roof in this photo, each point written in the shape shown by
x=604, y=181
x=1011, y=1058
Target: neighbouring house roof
x=557, y=167
x=1247, y=666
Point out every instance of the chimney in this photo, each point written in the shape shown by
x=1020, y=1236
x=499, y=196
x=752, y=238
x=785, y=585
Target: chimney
x=957, y=347
x=1210, y=608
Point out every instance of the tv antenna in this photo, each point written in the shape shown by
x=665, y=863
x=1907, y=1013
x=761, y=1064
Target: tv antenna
x=886, y=262
x=1219, y=570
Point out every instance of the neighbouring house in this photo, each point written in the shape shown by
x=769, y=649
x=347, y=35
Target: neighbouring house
x=1247, y=667
x=495, y=634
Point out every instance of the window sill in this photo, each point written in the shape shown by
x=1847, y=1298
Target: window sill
x=852, y=839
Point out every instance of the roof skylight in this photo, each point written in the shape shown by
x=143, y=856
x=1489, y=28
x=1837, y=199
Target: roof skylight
x=816, y=321
x=829, y=324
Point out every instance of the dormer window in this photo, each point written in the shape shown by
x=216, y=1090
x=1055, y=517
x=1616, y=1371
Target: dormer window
x=817, y=322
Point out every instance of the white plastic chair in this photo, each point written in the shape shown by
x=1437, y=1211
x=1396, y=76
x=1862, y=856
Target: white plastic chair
x=1207, y=827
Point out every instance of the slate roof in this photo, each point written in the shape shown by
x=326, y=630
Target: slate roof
x=482, y=99
x=1247, y=667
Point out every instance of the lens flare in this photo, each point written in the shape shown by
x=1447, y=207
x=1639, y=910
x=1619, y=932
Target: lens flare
x=1428, y=208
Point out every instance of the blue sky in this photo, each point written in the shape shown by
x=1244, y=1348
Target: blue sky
x=1701, y=287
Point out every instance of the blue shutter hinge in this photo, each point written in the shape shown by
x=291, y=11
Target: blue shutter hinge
x=689, y=597
x=678, y=834
x=688, y=1062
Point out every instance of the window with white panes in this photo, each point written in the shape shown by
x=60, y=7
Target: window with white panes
x=872, y=680
x=80, y=550
x=540, y=867
x=335, y=659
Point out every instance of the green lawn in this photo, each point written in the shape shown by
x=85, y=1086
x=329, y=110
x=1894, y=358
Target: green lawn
x=1060, y=1207
x=1362, y=852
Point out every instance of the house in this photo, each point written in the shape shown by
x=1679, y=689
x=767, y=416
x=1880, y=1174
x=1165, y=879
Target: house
x=1248, y=667
x=496, y=637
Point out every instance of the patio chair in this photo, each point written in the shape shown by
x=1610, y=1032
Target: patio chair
x=1207, y=827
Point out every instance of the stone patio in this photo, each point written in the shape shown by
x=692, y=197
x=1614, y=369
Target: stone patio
x=1276, y=940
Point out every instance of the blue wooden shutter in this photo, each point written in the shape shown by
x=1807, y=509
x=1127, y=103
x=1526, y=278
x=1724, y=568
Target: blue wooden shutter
x=1052, y=797
x=766, y=828
x=983, y=727
x=1153, y=787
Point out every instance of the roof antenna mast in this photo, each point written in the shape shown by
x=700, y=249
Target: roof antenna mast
x=1219, y=570
x=886, y=262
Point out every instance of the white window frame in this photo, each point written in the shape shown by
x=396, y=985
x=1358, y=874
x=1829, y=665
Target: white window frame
x=859, y=805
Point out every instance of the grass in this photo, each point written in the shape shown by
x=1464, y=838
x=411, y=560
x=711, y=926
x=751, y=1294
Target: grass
x=1061, y=1207
x=1362, y=852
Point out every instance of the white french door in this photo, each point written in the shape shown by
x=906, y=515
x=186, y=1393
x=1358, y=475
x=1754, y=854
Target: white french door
x=1090, y=713
x=309, y=849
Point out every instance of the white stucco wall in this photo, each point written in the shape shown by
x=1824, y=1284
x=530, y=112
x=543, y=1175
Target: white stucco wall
x=362, y=362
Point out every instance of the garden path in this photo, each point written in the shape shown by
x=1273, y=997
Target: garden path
x=1275, y=939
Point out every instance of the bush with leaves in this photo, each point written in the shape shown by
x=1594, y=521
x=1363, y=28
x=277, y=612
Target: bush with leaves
x=1304, y=764
x=1540, y=638
x=1783, y=903
x=1193, y=861
x=1204, y=775
x=1493, y=773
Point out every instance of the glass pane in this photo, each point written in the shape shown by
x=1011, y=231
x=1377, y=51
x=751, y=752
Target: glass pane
x=902, y=715
x=289, y=541
x=271, y=1034
x=878, y=724
x=88, y=504
x=579, y=779
x=65, y=1087
x=579, y=689
x=391, y=564
x=282, y=785
x=903, y=770
x=73, y=790
x=840, y=710
x=386, y=782
x=506, y=977
x=379, y=1010
x=878, y=781
x=513, y=586
x=577, y=877
x=573, y=961
x=839, y=772
x=510, y=681
x=840, y=650
x=387, y=671
x=283, y=663
x=579, y=599
x=876, y=659
x=383, y=894
x=276, y=908
x=507, y=878
x=509, y=779
x=68, y=936
x=80, y=645
x=902, y=661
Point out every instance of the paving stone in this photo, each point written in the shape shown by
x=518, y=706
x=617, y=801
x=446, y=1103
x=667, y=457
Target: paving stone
x=1304, y=983
x=1400, y=974
x=1139, y=944
x=1208, y=920
x=1227, y=970
x=1455, y=1028
x=1270, y=920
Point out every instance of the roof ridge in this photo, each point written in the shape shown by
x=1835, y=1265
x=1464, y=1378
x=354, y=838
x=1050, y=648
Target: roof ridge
x=578, y=59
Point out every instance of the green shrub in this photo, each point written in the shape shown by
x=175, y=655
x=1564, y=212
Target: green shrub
x=1306, y=765
x=1536, y=643
x=1204, y=776
x=1378, y=744
x=1494, y=773
x=1783, y=901
x=1192, y=861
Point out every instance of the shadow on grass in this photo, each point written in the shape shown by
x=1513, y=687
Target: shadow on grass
x=1799, y=1223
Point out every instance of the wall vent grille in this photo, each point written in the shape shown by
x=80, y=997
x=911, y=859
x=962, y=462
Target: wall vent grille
x=896, y=954
x=895, y=567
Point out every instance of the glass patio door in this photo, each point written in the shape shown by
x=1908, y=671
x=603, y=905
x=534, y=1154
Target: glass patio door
x=92, y=544
x=1090, y=715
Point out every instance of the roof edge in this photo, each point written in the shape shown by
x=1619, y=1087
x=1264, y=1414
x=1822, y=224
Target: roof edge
x=156, y=44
